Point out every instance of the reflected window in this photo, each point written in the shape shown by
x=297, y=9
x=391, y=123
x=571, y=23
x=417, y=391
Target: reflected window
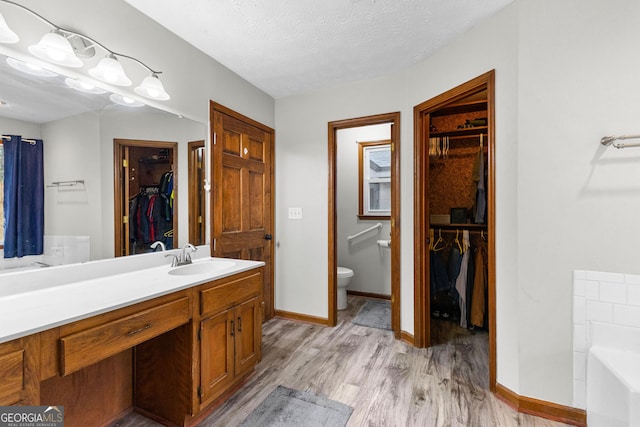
x=375, y=179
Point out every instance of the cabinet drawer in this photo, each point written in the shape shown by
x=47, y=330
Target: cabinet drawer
x=228, y=294
x=92, y=345
x=12, y=374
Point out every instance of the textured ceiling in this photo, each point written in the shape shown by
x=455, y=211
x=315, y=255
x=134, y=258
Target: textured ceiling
x=286, y=47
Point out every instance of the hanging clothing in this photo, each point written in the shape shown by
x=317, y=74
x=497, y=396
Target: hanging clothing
x=481, y=197
x=439, y=279
x=461, y=287
x=23, y=197
x=478, y=300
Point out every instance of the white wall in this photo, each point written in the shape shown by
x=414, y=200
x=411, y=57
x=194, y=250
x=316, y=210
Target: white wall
x=370, y=263
x=563, y=202
x=72, y=152
x=578, y=201
x=301, y=173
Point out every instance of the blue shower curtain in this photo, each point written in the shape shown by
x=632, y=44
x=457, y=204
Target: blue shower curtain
x=23, y=197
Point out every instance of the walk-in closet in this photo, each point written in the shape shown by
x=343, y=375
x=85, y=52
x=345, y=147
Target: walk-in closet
x=454, y=251
x=146, y=195
x=458, y=235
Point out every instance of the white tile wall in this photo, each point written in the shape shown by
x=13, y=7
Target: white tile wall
x=612, y=298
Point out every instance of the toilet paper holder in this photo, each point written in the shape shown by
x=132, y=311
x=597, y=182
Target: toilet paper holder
x=384, y=243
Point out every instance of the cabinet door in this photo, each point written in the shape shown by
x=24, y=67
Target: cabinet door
x=248, y=335
x=216, y=354
x=18, y=372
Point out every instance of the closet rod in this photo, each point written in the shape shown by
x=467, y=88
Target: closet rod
x=609, y=140
x=452, y=230
x=462, y=136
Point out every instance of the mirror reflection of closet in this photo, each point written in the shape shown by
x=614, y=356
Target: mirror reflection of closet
x=196, y=193
x=145, y=196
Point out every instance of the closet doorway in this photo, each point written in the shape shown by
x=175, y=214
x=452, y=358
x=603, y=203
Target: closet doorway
x=393, y=119
x=145, y=195
x=454, y=195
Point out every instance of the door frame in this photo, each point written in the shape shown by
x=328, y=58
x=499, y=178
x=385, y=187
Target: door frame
x=267, y=312
x=422, y=318
x=394, y=120
x=197, y=216
x=119, y=147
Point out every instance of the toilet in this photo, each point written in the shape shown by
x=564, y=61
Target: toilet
x=344, y=277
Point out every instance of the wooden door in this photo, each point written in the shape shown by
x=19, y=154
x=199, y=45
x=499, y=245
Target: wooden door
x=247, y=323
x=242, y=198
x=216, y=354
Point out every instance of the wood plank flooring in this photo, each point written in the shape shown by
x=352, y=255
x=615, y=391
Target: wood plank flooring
x=387, y=382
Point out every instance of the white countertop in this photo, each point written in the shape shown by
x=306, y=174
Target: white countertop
x=35, y=307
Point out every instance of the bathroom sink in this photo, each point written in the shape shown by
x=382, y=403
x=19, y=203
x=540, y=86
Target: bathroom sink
x=206, y=267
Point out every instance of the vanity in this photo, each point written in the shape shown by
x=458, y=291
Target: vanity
x=108, y=337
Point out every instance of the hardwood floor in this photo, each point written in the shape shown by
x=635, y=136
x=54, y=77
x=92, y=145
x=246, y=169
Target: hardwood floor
x=387, y=382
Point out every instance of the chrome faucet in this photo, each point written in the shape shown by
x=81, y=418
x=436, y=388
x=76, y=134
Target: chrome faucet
x=183, y=258
x=186, y=258
x=158, y=243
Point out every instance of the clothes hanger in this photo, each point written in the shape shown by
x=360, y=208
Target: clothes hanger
x=457, y=241
x=431, y=239
x=435, y=245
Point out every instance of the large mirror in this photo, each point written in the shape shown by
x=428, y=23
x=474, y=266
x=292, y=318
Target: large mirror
x=78, y=132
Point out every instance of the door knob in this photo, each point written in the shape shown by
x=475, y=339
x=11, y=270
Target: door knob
x=268, y=237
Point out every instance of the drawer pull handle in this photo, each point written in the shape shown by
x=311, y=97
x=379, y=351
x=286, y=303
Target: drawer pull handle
x=239, y=324
x=233, y=333
x=137, y=331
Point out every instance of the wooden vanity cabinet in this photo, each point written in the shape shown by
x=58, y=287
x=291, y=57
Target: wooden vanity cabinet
x=230, y=333
x=172, y=358
x=19, y=372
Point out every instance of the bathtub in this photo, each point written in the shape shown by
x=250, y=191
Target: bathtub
x=613, y=377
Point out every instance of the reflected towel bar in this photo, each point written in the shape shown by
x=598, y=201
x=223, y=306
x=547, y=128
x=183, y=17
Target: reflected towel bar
x=609, y=140
x=66, y=183
x=374, y=227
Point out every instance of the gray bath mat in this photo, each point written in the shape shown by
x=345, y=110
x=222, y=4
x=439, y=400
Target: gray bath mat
x=285, y=407
x=375, y=314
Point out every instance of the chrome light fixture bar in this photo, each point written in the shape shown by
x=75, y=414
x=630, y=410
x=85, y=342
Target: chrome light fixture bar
x=57, y=47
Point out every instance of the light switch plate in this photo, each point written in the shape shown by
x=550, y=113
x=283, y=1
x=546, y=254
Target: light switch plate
x=295, y=213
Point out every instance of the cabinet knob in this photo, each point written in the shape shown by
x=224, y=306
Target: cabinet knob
x=268, y=237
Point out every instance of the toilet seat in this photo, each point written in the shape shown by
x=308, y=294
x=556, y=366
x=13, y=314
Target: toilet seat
x=345, y=272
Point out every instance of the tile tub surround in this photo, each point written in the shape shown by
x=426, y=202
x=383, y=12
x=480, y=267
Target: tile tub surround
x=609, y=298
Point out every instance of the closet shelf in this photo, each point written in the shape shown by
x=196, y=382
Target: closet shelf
x=466, y=107
x=467, y=132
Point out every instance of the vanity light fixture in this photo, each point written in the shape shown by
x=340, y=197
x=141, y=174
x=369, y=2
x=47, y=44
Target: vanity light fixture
x=29, y=68
x=151, y=87
x=83, y=86
x=124, y=100
x=110, y=71
x=55, y=48
x=65, y=47
x=7, y=35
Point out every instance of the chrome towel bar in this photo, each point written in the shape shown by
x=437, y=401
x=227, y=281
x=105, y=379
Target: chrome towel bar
x=610, y=140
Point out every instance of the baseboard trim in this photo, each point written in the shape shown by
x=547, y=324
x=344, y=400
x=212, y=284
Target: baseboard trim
x=302, y=317
x=541, y=408
x=407, y=338
x=369, y=295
